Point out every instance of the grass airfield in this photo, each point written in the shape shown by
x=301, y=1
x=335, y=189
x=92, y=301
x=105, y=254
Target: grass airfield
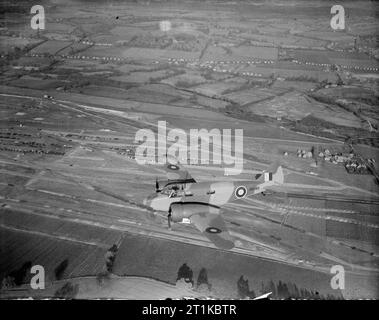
x=67, y=192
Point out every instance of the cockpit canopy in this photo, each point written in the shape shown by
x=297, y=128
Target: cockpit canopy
x=173, y=191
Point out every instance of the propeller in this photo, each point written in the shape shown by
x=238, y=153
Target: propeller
x=169, y=217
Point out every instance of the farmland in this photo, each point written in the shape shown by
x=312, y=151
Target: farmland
x=74, y=95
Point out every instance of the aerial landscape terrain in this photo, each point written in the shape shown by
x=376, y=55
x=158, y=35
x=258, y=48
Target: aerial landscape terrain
x=74, y=94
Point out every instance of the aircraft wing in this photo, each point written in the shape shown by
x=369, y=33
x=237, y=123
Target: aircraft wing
x=213, y=227
x=177, y=173
x=263, y=296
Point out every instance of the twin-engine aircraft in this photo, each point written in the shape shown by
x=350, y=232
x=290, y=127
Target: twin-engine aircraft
x=188, y=201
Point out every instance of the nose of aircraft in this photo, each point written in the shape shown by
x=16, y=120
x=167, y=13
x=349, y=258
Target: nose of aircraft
x=147, y=200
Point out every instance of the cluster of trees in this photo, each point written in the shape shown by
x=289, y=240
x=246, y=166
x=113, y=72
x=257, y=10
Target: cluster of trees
x=18, y=52
x=243, y=288
x=279, y=290
x=16, y=277
x=60, y=269
x=282, y=290
x=150, y=41
x=24, y=151
x=185, y=274
x=110, y=257
x=21, y=276
x=67, y=291
x=202, y=280
x=186, y=45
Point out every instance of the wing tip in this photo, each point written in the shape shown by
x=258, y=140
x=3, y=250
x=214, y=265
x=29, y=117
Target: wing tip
x=221, y=243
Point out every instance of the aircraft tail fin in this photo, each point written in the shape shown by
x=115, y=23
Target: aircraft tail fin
x=274, y=174
x=278, y=176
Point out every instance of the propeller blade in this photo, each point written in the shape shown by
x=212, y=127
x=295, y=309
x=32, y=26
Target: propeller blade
x=169, y=220
x=157, y=185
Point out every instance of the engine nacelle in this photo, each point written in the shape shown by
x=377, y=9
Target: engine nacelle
x=183, y=210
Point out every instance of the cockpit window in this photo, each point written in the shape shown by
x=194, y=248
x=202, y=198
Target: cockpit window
x=175, y=191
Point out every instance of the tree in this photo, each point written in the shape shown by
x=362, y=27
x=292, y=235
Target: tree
x=60, y=269
x=202, y=279
x=110, y=257
x=186, y=273
x=272, y=288
x=7, y=283
x=19, y=275
x=296, y=293
x=243, y=287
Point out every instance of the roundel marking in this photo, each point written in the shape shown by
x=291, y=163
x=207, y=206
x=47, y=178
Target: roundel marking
x=240, y=191
x=173, y=167
x=213, y=230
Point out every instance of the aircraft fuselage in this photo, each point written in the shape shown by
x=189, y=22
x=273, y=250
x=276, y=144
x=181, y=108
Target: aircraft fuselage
x=213, y=193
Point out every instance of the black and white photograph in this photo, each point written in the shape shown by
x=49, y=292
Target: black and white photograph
x=208, y=150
